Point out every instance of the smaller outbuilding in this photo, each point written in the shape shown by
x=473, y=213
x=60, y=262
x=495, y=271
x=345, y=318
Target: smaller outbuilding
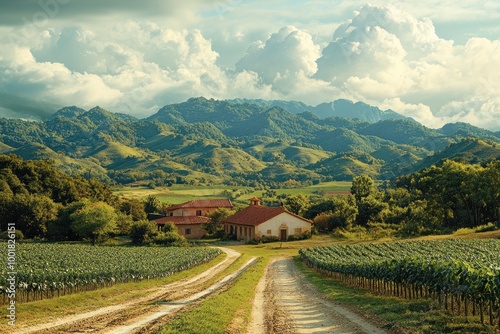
x=190, y=217
x=191, y=227
x=256, y=221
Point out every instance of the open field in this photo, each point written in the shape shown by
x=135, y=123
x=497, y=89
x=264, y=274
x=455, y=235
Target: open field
x=182, y=193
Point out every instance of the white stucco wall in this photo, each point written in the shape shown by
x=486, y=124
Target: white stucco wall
x=282, y=219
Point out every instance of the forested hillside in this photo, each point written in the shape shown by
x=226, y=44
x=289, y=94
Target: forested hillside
x=39, y=200
x=246, y=142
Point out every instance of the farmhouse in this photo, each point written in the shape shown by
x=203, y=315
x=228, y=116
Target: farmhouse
x=199, y=207
x=256, y=221
x=189, y=217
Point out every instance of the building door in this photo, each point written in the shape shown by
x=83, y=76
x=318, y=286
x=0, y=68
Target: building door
x=282, y=235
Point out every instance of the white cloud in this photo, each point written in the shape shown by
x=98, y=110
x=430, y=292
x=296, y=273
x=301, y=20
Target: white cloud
x=383, y=55
x=419, y=112
x=288, y=52
x=387, y=57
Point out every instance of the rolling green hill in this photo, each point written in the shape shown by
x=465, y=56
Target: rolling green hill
x=468, y=150
x=239, y=141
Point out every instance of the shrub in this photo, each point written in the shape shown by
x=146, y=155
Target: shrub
x=357, y=233
x=143, y=232
x=268, y=238
x=172, y=238
x=486, y=228
x=4, y=235
x=302, y=236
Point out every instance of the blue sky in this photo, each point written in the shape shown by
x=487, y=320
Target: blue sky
x=436, y=61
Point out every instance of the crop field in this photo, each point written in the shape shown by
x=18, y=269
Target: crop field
x=48, y=270
x=462, y=274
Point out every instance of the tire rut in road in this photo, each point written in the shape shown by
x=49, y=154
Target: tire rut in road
x=294, y=306
x=102, y=319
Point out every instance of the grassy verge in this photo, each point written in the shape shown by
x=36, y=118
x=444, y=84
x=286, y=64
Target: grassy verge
x=416, y=316
x=47, y=310
x=227, y=312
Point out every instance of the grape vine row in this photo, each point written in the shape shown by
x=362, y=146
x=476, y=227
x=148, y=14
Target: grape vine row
x=463, y=275
x=51, y=270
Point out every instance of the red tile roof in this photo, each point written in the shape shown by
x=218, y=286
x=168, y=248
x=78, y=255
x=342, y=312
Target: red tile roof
x=183, y=220
x=254, y=215
x=203, y=203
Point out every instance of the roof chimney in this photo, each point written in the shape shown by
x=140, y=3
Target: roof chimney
x=255, y=201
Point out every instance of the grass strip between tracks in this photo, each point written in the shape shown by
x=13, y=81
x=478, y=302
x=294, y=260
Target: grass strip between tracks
x=226, y=312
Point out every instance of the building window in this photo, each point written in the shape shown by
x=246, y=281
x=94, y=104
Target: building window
x=268, y=232
x=298, y=230
x=187, y=231
x=198, y=212
x=246, y=232
x=171, y=214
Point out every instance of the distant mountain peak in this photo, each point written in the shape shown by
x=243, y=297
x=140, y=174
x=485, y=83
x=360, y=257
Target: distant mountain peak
x=348, y=109
x=68, y=112
x=338, y=108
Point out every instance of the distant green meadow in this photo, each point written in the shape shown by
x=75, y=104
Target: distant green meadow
x=183, y=193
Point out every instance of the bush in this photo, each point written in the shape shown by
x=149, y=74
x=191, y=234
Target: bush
x=356, y=233
x=4, y=235
x=219, y=234
x=172, y=238
x=382, y=230
x=268, y=238
x=143, y=232
x=302, y=236
x=486, y=228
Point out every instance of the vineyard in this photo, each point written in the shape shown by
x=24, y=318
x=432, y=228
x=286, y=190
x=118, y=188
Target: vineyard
x=49, y=270
x=462, y=275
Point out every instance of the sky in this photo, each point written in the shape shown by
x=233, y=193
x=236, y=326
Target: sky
x=437, y=61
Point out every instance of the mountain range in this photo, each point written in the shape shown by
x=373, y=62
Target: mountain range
x=243, y=142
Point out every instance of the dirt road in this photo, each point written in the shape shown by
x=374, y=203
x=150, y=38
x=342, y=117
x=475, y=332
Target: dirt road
x=143, y=312
x=285, y=303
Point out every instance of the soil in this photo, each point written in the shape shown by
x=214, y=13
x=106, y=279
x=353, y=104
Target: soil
x=288, y=304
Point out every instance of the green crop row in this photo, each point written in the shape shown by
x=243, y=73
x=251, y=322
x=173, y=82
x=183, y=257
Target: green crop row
x=46, y=270
x=467, y=271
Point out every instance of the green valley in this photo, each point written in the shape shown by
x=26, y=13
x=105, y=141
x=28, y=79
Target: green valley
x=242, y=142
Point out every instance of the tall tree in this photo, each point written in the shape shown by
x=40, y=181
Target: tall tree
x=216, y=218
x=32, y=213
x=344, y=212
x=134, y=208
x=94, y=222
x=362, y=186
x=297, y=204
x=60, y=229
x=490, y=182
x=152, y=204
x=371, y=210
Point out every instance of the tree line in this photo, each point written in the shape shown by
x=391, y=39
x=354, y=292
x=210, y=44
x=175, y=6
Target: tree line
x=440, y=199
x=43, y=202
